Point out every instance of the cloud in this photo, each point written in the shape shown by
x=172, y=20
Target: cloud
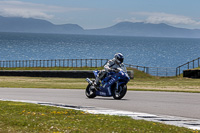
x=32, y=10
x=129, y=20
x=168, y=18
x=159, y=17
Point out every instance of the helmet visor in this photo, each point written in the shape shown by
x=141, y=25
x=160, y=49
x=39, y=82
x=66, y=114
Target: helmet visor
x=120, y=60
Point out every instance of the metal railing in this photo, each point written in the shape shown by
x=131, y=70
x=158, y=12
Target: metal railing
x=155, y=71
x=54, y=63
x=189, y=65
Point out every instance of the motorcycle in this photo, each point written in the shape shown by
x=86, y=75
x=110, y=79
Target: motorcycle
x=113, y=85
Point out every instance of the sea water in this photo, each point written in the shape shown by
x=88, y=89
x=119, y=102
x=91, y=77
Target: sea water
x=143, y=51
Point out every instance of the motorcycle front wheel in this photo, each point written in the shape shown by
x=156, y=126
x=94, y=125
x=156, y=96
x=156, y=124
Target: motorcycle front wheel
x=120, y=93
x=90, y=92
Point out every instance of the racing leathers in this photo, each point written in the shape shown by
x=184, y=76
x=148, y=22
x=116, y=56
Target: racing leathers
x=110, y=66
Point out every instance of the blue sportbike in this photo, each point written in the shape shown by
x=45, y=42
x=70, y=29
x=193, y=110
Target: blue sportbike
x=113, y=85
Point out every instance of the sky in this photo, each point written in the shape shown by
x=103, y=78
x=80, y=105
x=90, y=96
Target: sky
x=94, y=14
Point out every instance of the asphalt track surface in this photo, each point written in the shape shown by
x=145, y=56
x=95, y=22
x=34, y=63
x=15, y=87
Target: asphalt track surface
x=158, y=103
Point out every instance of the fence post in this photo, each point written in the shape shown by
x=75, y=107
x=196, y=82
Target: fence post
x=36, y=63
x=59, y=63
x=193, y=64
x=63, y=63
x=26, y=63
x=44, y=63
x=67, y=62
x=157, y=71
x=47, y=63
x=147, y=70
x=198, y=62
x=23, y=63
x=51, y=63
x=40, y=63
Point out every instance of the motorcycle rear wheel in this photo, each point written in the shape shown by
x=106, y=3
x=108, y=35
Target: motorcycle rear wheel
x=120, y=93
x=90, y=92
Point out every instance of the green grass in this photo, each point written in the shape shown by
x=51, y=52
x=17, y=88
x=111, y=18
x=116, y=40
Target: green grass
x=146, y=82
x=178, y=84
x=141, y=81
x=24, y=117
x=39, y=82
x=197, y=68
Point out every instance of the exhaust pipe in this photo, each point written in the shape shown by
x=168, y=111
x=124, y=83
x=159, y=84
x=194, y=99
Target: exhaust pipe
x=89, y=81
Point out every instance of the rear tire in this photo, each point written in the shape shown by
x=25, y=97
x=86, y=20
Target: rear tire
x=90, y=92
x=120, y=93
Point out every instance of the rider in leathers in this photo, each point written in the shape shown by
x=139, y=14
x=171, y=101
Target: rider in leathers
x=116, y=64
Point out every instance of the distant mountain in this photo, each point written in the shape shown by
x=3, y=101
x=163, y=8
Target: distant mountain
x=15, y=24
x=145, y=29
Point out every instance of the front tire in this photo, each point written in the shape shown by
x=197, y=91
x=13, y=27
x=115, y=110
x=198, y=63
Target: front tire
x=90, y=92
x=120, y=93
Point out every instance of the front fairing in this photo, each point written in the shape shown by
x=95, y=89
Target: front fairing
x=111, y=78
x=122, y=77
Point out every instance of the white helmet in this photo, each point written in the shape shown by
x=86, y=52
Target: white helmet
x=119, y=58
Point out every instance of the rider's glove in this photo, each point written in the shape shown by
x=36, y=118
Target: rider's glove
x=115, y=70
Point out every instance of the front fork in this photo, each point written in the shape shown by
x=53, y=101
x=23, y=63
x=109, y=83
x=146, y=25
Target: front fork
x=117, y=85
